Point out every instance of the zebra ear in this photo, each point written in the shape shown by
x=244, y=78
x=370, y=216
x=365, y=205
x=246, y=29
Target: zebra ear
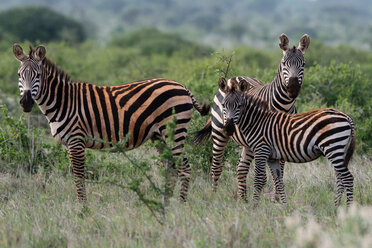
x=243, y=85
x=40, y=53
x=18, y=52
x=222, y=84
x=284, y=42
x=304, y=43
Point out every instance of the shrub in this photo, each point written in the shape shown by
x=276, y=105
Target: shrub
x=23, y=149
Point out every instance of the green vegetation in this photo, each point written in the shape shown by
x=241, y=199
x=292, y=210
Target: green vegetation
x=37, y=195
x=223, y=23
x=39, y=24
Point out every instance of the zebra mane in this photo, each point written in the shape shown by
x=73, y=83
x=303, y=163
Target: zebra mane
x=50, y=65
x=257, y=102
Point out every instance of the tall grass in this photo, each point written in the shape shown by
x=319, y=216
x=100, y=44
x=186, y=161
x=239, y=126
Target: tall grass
x=41, y=211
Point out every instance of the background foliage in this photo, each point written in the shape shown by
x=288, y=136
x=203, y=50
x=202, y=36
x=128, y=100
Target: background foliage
x=39, y=24
x=223, y=23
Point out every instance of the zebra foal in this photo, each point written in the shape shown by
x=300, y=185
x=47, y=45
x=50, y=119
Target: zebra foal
x=297, y=138
x=80, y=113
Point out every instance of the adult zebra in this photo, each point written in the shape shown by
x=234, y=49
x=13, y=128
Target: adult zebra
x=79, y=113
x=295, y=138
x=280, y=95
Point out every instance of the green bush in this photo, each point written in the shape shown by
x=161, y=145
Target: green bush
x=24, y=148
x=344, y=87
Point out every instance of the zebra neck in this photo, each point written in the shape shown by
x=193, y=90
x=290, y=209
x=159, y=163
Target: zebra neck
x=252, y=119
x=281, y=101
x=55, y=86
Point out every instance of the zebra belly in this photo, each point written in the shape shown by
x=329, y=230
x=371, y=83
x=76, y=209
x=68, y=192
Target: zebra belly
x=298, y=158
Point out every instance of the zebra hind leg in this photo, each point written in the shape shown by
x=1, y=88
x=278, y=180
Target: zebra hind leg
x=339, y=189
x=184, y=173
x=184, y=169
x=276, y=172
x=277, y=194
x=170, y=167
x=348, y=183
x=344, y=178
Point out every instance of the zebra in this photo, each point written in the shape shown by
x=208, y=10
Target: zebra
x=280, y=95
x=297, y=138
x=81, y=114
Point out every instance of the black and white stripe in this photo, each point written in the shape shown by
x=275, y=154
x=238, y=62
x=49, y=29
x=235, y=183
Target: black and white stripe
x=299, y=138
x=82, y=115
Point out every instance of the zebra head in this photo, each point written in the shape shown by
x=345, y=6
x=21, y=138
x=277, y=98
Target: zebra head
x=232, y=102
x=29, y=74
x=293, y=64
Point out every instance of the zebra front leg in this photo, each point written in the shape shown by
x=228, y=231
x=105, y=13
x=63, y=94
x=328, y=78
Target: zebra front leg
x=261, y=156
x=219, y=145
x=242, y=169
x=76, y=153
x=276, y=172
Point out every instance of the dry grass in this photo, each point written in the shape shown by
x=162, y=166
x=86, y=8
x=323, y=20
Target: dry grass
x=41, y=211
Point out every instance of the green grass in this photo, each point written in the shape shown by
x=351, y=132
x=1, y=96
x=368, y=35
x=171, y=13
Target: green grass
x=41, y=211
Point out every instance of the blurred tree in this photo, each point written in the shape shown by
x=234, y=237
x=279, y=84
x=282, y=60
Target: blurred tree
x=39, y=24
x=152, y=41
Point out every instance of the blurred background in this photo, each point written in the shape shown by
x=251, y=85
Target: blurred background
x=119, y=41
x=218, y=23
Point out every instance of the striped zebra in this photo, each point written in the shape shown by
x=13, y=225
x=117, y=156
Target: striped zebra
x=280, y=95
x=297, y=138
x=81, y=115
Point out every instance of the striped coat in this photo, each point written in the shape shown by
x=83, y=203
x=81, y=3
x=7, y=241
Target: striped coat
x=83, y=115
x=295, y=138
x=280, y=95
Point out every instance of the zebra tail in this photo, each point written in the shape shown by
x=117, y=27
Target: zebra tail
x=204, y=133
x=351, y=148
x=203, y=110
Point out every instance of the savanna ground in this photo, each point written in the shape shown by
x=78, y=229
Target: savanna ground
x=38, y=207
x=41, y=211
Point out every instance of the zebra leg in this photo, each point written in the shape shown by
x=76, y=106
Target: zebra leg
x=344, y=178
x=242, y=169
x=184, y=173
x=339, y=189
x=261, y=156
x=277, y=194
x=171, y=171
x=348, y=182
x=76, y=153
x=276, y=172
x=219, y=145
x=184, y=169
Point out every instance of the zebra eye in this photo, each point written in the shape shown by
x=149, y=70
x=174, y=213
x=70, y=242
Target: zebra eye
x=19, y=75
x=303, y=64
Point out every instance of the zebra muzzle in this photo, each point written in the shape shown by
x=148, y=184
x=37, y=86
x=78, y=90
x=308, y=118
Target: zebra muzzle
x=229, y=127
x=26, y=101
x=293, y=87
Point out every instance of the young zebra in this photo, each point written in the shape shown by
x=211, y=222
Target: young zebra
x=295, y=138
x=280, y=95
x=79, y=113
